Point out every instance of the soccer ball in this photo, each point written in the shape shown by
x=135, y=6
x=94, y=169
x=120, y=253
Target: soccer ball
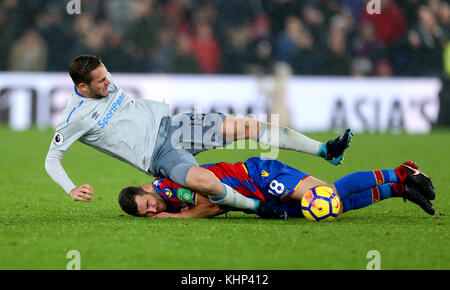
x=320, y=203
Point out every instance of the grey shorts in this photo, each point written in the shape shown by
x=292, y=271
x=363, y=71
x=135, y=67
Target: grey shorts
x=182, y=136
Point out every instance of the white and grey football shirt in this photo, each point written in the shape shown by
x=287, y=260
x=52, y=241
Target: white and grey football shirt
x=118, y=125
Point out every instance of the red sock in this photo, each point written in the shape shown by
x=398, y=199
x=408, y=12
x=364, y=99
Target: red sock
x=402, y=173
x=399, y=188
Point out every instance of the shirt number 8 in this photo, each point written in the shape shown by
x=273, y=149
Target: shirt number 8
x=276, y=188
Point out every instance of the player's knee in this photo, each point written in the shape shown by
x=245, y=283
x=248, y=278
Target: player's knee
x=203, y=181
x=341, y=203
x=240, y=128
x=251, y=129
x=208, y=185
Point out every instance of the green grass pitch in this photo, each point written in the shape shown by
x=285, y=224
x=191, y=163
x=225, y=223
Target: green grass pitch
x=40, y=224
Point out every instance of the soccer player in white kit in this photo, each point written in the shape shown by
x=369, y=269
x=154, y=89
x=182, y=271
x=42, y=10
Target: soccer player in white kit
x=141, y=133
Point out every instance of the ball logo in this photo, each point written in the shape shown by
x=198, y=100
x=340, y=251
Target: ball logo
x=58, y=139
x=337, y=201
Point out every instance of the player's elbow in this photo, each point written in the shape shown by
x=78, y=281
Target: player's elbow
x=53, y=157
x=48, y=164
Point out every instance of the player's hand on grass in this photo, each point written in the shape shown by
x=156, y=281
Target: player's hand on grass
x=83, y=192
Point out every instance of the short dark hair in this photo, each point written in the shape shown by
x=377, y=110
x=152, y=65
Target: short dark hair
x=127, y=199
x=80, y=68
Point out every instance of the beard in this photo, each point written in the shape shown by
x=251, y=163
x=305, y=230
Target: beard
x=98, y=96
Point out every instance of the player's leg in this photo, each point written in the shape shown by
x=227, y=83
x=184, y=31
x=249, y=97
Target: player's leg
x=206, y=183
x=279, y=136
x=370, y=196
x=181, y=136
x=363, y=180
x=193, y=133
x=181, y=167
x=408, y=173
x=385, y=191
x=350, y=202
x=362, y=188
x=355, y=190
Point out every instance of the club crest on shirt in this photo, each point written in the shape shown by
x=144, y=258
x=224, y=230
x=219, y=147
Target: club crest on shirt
x=58, y=139
x=112, y=89
x=168, y=193
x=196, y=119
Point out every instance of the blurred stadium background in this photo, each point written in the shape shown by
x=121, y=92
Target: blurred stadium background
x=319, y=64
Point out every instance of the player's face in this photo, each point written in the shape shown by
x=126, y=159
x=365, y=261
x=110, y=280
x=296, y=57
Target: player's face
x=150, y=204
x=98, y=87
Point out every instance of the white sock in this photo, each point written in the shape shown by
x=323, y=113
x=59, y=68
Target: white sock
x=285, y=138
x=232, y=198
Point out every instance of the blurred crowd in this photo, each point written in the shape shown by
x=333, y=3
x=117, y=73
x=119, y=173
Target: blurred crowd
x=315, y=37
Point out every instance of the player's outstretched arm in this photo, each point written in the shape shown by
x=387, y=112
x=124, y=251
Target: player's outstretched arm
x=204, y=208
x=56, y=171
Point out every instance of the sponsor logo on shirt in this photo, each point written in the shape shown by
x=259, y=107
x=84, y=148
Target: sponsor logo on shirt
x=264, y=173
x=114, y=108
x=185, y=195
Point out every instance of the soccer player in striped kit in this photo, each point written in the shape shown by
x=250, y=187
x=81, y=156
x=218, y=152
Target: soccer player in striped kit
x=280, y=185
